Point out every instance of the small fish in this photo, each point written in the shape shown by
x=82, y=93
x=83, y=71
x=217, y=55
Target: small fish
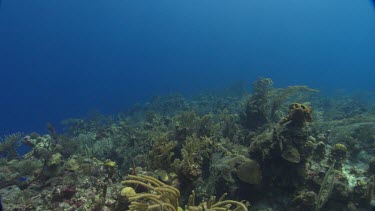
x=23, y=179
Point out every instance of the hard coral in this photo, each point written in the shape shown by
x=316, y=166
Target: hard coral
x=127, y=191
x=339, y=153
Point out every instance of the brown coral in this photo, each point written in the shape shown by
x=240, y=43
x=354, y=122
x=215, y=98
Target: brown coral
x=299, y=114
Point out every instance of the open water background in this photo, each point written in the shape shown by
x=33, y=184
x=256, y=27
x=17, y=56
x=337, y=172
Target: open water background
x=61, y=59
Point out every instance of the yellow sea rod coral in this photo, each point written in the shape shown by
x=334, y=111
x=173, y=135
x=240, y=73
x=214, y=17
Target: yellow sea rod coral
x=160, y=195
x=164, y=197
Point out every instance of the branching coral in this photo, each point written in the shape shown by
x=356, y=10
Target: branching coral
x=195, y=150
x=161, y=154
x=213, y=205
x=191, y=123
x=256, y=108
x=160, y=196
x=9, y=145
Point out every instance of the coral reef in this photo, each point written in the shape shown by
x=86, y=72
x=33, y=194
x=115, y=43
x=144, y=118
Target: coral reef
x=276, y=148
x=266, y=104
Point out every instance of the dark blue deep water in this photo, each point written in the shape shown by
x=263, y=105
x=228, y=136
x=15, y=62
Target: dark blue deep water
x=61, y=59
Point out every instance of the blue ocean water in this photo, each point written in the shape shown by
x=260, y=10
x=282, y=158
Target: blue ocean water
x=60, y=59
